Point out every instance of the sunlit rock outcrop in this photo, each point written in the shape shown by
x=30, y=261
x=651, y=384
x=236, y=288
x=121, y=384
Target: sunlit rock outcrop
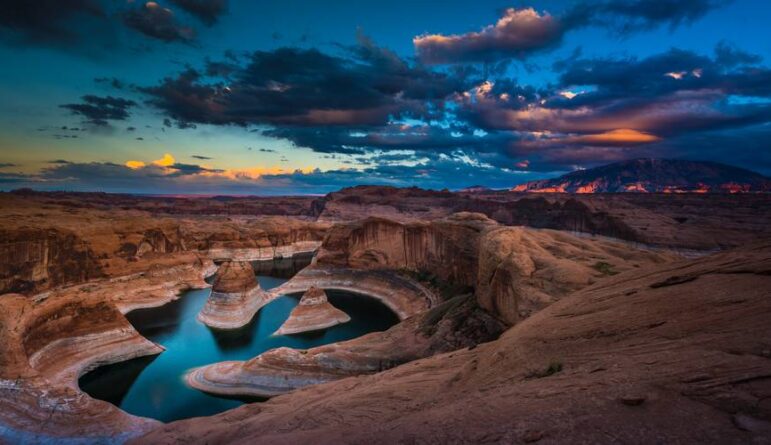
x=313, y=313
x=235, y=297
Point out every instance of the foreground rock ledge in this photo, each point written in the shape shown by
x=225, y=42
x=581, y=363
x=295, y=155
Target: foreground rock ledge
x=313, y=313
x=235, y=297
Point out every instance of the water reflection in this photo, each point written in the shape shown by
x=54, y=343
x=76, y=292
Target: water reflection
x=153, y=387
x=284, y=267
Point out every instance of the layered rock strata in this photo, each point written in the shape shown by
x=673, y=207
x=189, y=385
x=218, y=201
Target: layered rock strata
x=674, y=353
x=509, y=274
x=235, y=297
x=314, y=312
x=402, y=294
x=49, y=341
x=514, y=271
x=59, y=239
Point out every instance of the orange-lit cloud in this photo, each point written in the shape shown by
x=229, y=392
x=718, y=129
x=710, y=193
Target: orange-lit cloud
x=257, y=172
x=166, y=161
x=623, y=136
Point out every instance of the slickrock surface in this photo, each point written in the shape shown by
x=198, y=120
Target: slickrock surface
x=672, y=353
x=48, y=341
x=314, y=312
x=235, y=297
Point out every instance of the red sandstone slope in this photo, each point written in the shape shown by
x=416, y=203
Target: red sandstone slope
x=674, y=353
x=654, y=175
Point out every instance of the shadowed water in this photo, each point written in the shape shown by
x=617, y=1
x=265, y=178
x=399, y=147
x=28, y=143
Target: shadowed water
x=154, y=386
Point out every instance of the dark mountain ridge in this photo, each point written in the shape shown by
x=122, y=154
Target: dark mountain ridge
x=652, y=176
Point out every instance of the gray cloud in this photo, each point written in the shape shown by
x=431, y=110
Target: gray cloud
x=100, y=110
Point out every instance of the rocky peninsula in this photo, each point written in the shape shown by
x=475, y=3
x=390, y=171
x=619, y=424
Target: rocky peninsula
x=314, y=312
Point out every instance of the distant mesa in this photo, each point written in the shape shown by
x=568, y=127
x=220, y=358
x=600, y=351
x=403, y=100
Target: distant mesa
x=313, y=313
x=654, y=176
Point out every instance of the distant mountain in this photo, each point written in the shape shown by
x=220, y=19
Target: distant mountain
x=654, y=175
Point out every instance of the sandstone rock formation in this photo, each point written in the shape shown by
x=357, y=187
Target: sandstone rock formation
x=235, y=297
x=514, y=270
x=313, y=313
x=675, y=353
x=509, y=273
x=48, y=341
x=50, y=240
x=399, y=292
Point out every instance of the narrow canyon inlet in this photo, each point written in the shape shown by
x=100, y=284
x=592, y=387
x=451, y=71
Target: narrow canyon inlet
x=366, y=222
x=154, y=386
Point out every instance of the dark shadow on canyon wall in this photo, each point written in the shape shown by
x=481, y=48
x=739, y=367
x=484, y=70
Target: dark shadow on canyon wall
x=154, y=322
x=111, y=383
x=283, y=267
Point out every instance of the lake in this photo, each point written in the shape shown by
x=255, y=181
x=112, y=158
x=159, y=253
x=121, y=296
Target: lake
x=154, y=386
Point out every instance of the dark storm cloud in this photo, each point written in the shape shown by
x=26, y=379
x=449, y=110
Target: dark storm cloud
x=305, y=87
x=520, y=33
x=190, y=169
x=100, y=110
x=46, y=20
x=608, y=109
x=729, y=55
x=208, y=11
x=92, y=27
x=157, y=22
x=203, y=158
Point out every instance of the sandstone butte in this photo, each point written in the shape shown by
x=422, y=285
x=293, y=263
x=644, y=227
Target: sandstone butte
x=507, y=334
x=235, y=297
x=314, y=312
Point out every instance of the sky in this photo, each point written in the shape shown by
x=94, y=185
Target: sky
x=306, y=97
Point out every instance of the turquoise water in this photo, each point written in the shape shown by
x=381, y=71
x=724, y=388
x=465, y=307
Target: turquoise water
x=154, y=387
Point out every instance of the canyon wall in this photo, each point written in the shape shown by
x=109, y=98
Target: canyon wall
x=46, y=243
x=32, y=259
x=513, y=271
